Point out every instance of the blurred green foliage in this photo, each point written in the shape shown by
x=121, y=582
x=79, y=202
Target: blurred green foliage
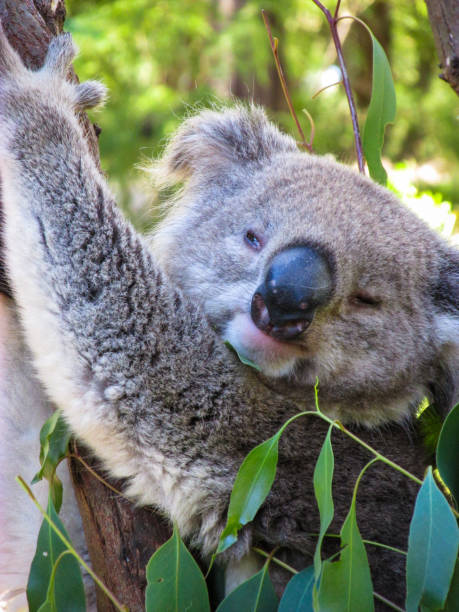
x=161, y=57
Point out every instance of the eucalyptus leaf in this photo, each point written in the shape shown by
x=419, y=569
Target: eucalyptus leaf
x=323, y=478
x=345, y=585
x=452, y=601
x=429, y=423
x=255, y=595
x=448, y=453
x=242, y=359
x=54, y=440
x=50, y=605
x=381, y=111
x=251, y=487
x=174, y=580
x=297, y=596
x=67, y=591
x=432, y=549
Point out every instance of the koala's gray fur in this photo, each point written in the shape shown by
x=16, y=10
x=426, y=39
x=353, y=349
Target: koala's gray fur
x=127, y=337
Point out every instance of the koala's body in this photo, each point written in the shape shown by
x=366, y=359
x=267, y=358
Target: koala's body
x=308, y=269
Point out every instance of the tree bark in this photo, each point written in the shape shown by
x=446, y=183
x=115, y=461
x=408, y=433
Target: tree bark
x=444, y=21
x=120, y=537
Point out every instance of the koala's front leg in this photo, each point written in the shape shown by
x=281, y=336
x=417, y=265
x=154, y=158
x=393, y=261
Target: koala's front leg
x=100, y=317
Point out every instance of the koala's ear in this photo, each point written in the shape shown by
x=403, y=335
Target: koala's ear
x=214, y=141
x=445, y=385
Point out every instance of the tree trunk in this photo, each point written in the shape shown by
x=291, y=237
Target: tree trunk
x=120, y=537
x=444, y=21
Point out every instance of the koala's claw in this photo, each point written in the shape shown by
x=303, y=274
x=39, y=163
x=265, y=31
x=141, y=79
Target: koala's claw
x=90, y=94
x=59, y=56
x=61, y=52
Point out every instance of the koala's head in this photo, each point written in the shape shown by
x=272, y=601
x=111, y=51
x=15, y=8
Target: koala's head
x=310, y=269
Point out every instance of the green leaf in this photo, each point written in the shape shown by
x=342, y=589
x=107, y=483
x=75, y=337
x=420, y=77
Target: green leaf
x=432, y=549
x=174, y=580
x=447, y=452
x=297, y=596
x=251, y=487
x=242, y=359
x=255, y=595
x=380, y=112
x=323, y=477
x=429, y=424
x=54, y=440
x=345, y=585
x=452, y=601
x=50, y=605
x=66, y=587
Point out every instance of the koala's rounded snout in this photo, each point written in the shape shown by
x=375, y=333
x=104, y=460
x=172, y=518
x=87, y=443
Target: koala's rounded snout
x=298, y=280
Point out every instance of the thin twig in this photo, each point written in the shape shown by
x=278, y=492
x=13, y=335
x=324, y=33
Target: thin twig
x=337, y=9
x=326, y=87
x=332, y=22
x=274, y=48
x=96, y=475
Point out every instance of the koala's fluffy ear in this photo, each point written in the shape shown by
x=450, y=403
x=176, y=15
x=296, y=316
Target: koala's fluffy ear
x=214, y=141
x=445, y=386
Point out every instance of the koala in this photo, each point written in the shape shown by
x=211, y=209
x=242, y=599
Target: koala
x=308, y=269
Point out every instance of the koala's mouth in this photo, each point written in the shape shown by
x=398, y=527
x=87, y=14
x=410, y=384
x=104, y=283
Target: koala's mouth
x=284, y=330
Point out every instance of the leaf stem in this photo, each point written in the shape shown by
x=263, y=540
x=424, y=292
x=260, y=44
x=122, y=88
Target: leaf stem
x=370, y=542
x=369, y=448
x=54, y=570
x=263, y=553
x=341, y=427
x=387, y=602
x=94, y=576
x=274, y=48
x=332, y=22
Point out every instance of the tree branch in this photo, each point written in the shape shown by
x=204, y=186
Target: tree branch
x=444, y=20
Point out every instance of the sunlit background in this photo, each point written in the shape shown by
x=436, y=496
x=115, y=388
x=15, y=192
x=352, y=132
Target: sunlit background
x=160, y=59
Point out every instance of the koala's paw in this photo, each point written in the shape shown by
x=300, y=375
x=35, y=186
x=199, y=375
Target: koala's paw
x=50, y=80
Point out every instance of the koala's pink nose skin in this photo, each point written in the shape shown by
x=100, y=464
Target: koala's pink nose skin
x=298, y=281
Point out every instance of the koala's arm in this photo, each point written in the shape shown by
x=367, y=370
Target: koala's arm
x=99, y=315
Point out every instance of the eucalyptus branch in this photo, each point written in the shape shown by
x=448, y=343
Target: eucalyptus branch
x=332, y=22
x=341, y=427
x=118, y=605
x=372, y=450
x=274, y=48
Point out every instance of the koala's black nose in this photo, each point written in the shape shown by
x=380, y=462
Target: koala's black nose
x=298, y=280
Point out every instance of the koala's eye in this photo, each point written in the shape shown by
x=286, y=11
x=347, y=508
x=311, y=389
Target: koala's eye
x=363, y=299
x=253, y=240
